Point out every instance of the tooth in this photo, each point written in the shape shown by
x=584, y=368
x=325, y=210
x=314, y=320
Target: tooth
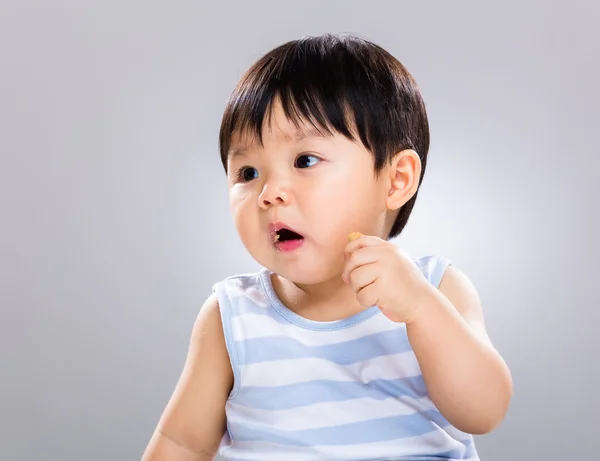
x=276, y=237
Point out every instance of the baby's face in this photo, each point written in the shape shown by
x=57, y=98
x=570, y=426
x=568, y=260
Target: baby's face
x=318, y=189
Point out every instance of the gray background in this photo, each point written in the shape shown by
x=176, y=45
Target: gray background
x=114, y=218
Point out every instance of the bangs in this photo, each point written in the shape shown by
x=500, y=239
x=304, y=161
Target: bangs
x=324, y=86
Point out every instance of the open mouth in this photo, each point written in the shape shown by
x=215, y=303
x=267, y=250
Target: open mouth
x=286, y=240
x=286, y=235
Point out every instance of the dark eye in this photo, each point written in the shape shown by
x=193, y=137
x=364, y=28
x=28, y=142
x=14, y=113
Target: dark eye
x=304, y=161
x=247, y=174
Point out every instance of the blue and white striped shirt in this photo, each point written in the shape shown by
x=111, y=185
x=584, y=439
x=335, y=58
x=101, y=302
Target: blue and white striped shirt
x=348, y=390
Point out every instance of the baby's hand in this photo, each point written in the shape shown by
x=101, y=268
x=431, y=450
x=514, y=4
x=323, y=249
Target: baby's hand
x=383, y=275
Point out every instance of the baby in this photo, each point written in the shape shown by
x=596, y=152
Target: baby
x=343, y=346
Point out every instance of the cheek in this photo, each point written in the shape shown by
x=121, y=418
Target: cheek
x=334, y=196
x=238, y=205
x=340, y=209
x=241, y=199
x=242, y=207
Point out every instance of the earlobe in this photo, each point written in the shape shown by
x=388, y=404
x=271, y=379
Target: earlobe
x=405, y=171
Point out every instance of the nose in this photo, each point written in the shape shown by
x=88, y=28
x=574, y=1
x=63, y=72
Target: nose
x=273, y=193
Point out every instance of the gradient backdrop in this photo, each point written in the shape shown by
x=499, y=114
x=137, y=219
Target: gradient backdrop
x=114, y=218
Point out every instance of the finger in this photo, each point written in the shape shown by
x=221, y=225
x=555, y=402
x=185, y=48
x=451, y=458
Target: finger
x=362, y=277
x=367, y=296
x=360, y=257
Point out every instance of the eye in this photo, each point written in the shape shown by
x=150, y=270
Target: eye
x=306, y=160
x=247, y=174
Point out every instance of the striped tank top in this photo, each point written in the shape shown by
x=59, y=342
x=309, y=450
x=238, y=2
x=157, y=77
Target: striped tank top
x=348, y=390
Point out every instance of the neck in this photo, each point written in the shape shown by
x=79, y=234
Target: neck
x=326, y=301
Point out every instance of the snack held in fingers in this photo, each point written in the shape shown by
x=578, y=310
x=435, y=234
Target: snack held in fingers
x=354, y=235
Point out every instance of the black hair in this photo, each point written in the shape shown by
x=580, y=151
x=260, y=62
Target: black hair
x=338, y=83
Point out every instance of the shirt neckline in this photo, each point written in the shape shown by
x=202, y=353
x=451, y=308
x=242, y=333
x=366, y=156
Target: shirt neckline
x=298, y=320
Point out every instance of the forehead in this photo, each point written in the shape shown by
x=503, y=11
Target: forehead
x=277, y=132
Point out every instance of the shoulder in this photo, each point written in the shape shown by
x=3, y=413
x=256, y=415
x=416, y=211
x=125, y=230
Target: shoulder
x=236, y=289
x=209, y=313
x=239, y=282
x=234, y=299
x=207, y=347
x=456, y=286
x=460, y=290
x=207, y=326
x=433, y=267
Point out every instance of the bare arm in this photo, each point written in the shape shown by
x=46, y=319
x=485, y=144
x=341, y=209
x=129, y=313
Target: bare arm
x=193, y=422
x=466, y=378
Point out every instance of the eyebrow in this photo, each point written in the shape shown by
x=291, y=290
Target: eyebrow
x=307, y=133
x=237, y=152
x=296, y=137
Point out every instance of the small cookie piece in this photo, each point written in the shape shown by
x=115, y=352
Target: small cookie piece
x=354, y=236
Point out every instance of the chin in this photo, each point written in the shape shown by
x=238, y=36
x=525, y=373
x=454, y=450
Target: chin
x=307, y=267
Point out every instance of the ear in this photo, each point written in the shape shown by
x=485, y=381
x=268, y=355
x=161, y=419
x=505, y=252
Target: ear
x=404, y=174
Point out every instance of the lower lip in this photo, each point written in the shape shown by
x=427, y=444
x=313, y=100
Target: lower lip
x=288, y=245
